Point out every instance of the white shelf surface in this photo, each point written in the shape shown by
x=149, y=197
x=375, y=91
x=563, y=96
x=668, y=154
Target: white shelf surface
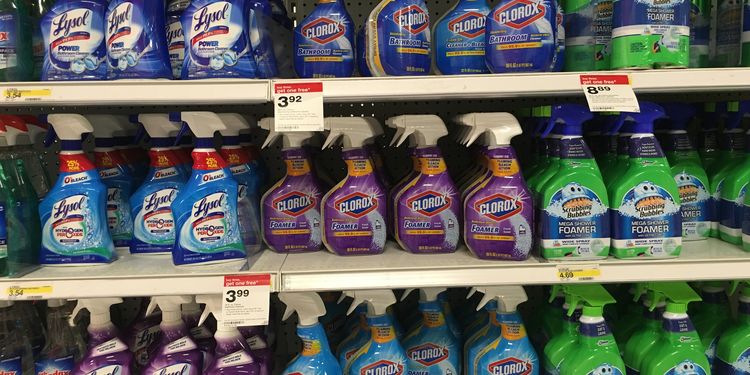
x=137, y=92
x=702, y=260
x=132, y=276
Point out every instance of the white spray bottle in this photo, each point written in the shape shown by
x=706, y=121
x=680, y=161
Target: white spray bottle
x=107, y=353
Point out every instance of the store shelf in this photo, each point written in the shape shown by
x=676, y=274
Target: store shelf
x=703, y=260
x=132, y=276
x=525, y=85
x=136, y=92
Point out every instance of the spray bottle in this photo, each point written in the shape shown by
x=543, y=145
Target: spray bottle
x=35, y=164
x=316, y=357
x=573, y=202
x=354, y=210
x=712, y=317
x=232, y=355
x=511, y=352
x=107, y=353
x=206, y=209
x=154, y=230
x=16, y=356
x=642, y=340
x=498, y=213
x=143, y=335
x=646, y=221
x=73, y=214
x=64, y=346
x=679, y=349
x=290, y=209
x=176, y=351
x=383, y=353
x=539, y=118
x=127, y=143
x=116, y=176
x=478, y=341
x=202, y=334
x=733, y=348
x=708, y=141
x=561, y=343
x=433, y=348
x=359, y=336
x=428, y=208
x=410, y=21
x=259, y=345
x=248, y=205
x=732, y=146
x=596, y=351
x=257, y=165
x=734, y=186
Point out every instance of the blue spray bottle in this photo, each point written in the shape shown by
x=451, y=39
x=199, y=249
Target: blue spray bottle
x=257, y=164
x=358, y=337
x=206, y=210
x=175, y=36
x=459, y=38
x=316, y=357
x=324, y=42
x=73, y=214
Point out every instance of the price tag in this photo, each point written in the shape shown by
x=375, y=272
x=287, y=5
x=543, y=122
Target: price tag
x=298, y=106
x=28, y=292
x=25, y=94
x=609, y=92
x=582, y=272
x=246, y=300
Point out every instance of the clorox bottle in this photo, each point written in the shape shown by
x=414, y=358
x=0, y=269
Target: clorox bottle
x=398, y=39
x=324, y=42
x=459, y=38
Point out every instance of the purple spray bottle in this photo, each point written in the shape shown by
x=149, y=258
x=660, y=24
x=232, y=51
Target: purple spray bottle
x=107, y=354
x=176, y=352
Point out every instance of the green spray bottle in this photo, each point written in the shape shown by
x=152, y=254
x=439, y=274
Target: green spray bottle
x=630, y=317
x=16, y=57
x=551, y=160
x=646, y=221
x=596, y=351
x=708, y=140
x=732, y=192
x=731, y=153
x=607, y=161
x=712, y=317
x=573, y=202
x=621, y=160
x=558, y=346
x=538, y=118
x=642, y=340
x=552, y=316
x=733, y=348
x=679, y=349
x=691, y=178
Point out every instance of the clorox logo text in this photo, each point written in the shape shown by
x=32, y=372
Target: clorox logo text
x=383, y=367
x=429, y=203
x=519, y=13
x=428, y=354
x=323, y=30
x=294, y=204
x=469, y=24
x=356, y=205
x=498, y=207
x=412, y=18
x=510, y=366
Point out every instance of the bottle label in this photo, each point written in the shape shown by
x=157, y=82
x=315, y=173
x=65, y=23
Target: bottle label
x=256, y=342
x=74, y=38
x=107, y=370
x=383, y=367
x=647, y=223
x=401, y=31
x=459, y=36
x=497, y=222
x=605, y=368
x=57, y=366
x=119, y=220
x=739, y=365
x=156, y=214
x=687, y=367
x=69, y=225
x=175, y=369
x=3, y=232
x=112, y=346
x=208, y=218
x=175, y=45
x=575, y=223
x=324, y=45
x=431, y=354
x=237, y=358
x=124, y=29
x=165, y=173
x=521, y=36
x=695, y=206
x=143, y=343
x=180, y=345
x=11, y=366
x=730, y=213
x=8, y=27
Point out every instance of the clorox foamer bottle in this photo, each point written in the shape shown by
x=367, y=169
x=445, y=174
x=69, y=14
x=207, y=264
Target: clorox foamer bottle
x=324, y=42
x=290, y=209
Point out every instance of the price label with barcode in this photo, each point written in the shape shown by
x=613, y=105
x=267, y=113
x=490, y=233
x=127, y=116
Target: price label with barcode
x=298, y=106
x=609, y=93
x=17, y=292
x=246, y=300
x=583, y=272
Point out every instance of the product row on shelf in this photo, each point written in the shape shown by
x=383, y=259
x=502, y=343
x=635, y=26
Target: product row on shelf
x=182, y=39
x=648, y=327
x=629, y=198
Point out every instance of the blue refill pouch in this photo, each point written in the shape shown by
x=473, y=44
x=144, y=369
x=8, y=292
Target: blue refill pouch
x=261, y=19
x=217, y=43
x=136, y=42
x=459, y=39
x=324, y=42
x=73, y=33
x=398, y=39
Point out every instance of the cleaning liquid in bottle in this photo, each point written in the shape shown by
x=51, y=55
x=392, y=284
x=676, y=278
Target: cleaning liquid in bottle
x=15, y=350
x=16, y=54
x=176, y=351
x=290, y=209
x=389, y=29
x=68, y=58
x=459, y=38
x=354, y=211
x=501, y=207
x=107, y=353
x=205, y=211
x=232, y=355
x=73, y=214
x=259, y=344
x=64, y=347
x=316, y=357
x=430, y=201
x=324, y=42
x=733, y=348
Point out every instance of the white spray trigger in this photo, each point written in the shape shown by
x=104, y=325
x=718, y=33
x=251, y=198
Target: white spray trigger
x=203, y=124
x=427, y=129
x=508, y=297
x=213, y=306
x=500, y=126
x=406, y=293
x=98, y=309
x=170, y=307
x=430, y=294
x=109, y=126
x=377, y=301
x=355, y=131
x=158, y=125
x=69, y=127
x=308, y=305
x=235, y=123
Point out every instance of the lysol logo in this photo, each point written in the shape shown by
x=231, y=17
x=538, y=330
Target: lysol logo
x=43, y=372
x=323, y=30
x=65, y=208
x=469, y=24
x=428, y=354
x=161, y=198
x=175, y=36
x=498, y=206
x=294, y=203
x=177, y=369
x=519, y=13
x=208, y=204
x=120, y=15
x=429, y=203
x=208, y=15
x=382, y=367
x=71, y=20
x=356, y=205
x=412, y=18
x=510, y=366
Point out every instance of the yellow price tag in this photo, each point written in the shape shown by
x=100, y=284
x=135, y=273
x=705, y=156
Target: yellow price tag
x=14, y=93
x=28, y=292
x=578, y=273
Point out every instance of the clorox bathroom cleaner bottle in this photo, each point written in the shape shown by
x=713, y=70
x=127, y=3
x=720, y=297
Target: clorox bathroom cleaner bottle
x=154, y=223
x=69, y=56
x=429, y=202
x=324, y=42
x=354, y=211
x=213, y=54
x=733, y=190
x=645, y=200
x=73, y=214
x=573, y=203
x=521, y=36
x=205, y=211
x=459, y=38
x=398, y=39
x=483, y=337
x=290, y=209
x=136, y=41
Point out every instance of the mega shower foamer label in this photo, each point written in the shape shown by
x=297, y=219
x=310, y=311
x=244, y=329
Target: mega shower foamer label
x=74, y=41
x=695, y=206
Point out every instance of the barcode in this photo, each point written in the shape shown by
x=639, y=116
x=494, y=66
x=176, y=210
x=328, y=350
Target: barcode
x=233, y=322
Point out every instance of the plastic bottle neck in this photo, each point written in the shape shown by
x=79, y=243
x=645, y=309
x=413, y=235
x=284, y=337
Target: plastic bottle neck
x=234, y=155
x=432, y=314
x=431, y=161
x=677, y=326
x=229, y=341
x=593, y=330
x=297, y=162
x=574, y=148
x=381, y=328
x=644, y=146
x=74, y=161
x=314, y=340
x=207, y=159
x=358, y=162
